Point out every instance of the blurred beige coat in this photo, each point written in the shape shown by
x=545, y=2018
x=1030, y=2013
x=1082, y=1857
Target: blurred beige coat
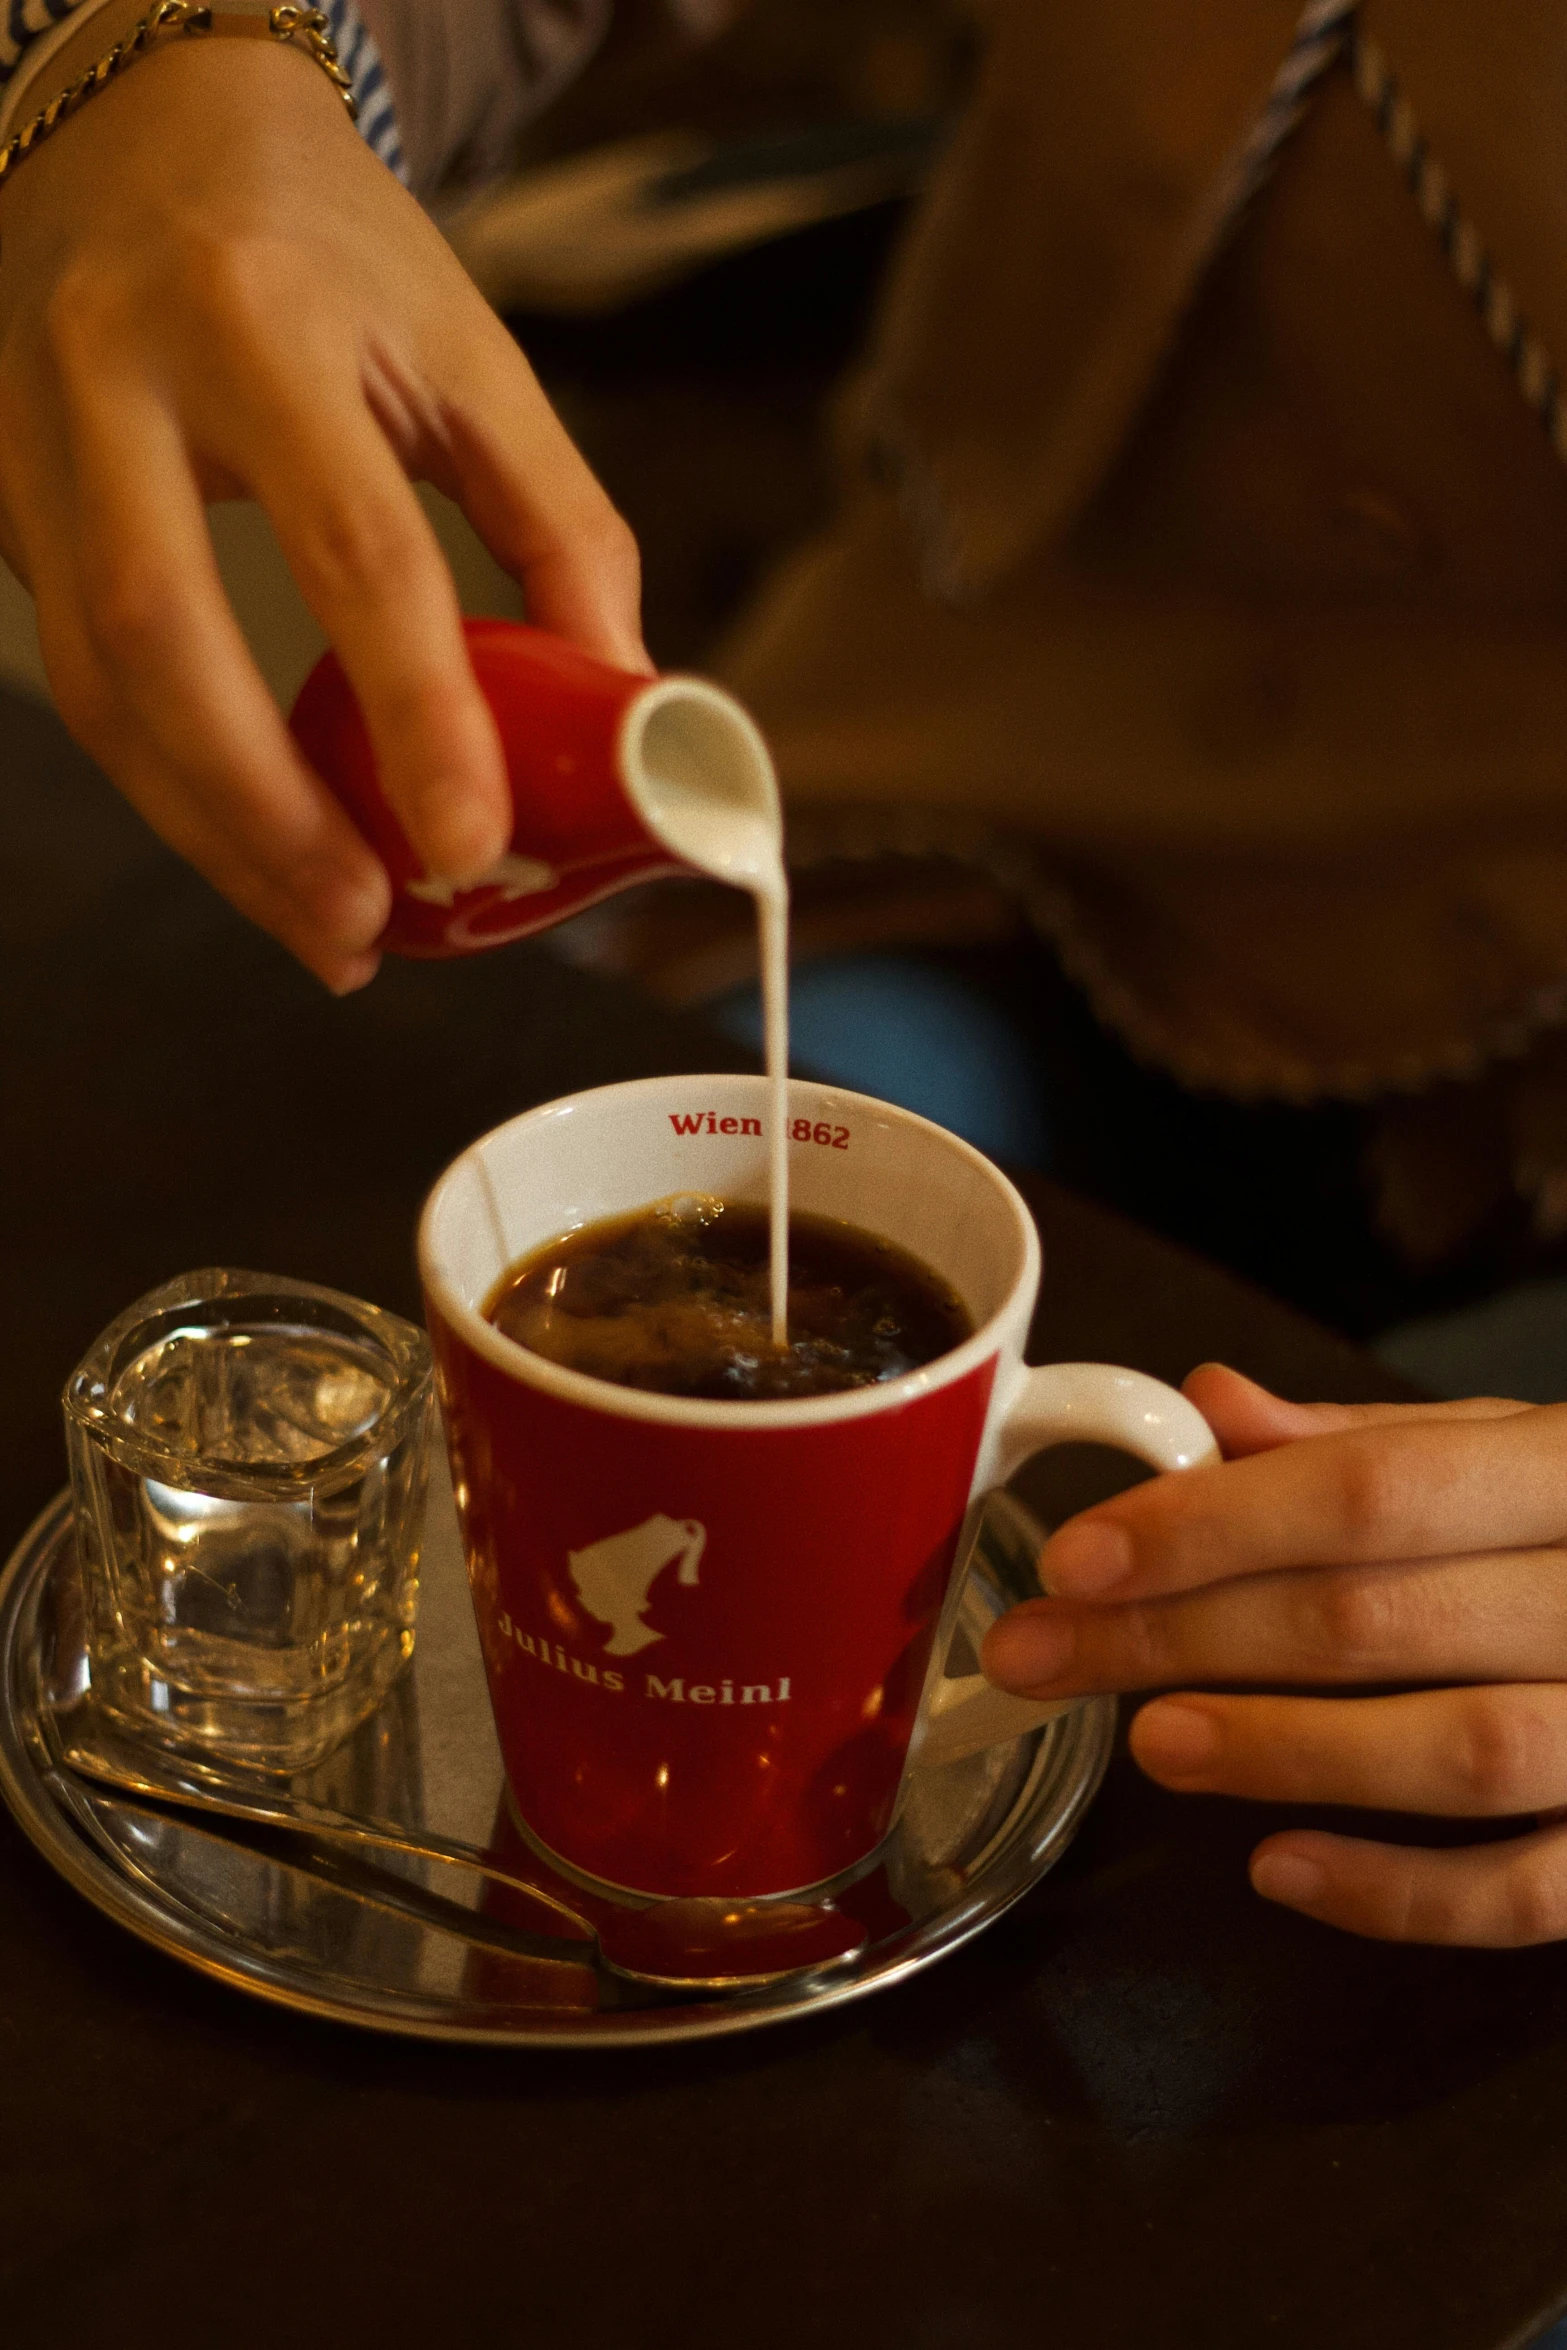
x=1206, y=579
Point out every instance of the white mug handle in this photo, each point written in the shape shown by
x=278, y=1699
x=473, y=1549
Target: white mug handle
x=1062, y=1403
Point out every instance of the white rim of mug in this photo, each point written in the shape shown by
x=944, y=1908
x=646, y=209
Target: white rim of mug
x=680, y=1411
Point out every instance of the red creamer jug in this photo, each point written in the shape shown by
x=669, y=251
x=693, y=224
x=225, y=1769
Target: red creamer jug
x=615, y=779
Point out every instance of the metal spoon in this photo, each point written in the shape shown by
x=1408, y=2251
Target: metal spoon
x=162, y=1851
x=192, y=1785
x=674, y=1945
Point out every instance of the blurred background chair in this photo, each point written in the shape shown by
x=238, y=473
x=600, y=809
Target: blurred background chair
x=691, y=249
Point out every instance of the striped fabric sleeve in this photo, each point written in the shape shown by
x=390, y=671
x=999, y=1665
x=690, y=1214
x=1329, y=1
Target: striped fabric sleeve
x=466, y=75
x=362, y=60
x=22, y=22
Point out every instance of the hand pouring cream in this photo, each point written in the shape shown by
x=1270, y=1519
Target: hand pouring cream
x=615, y=779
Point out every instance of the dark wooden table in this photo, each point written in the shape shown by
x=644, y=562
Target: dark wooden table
x=1143, y=2112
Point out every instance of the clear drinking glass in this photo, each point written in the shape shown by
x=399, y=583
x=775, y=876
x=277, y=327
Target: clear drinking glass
x=248, y=1460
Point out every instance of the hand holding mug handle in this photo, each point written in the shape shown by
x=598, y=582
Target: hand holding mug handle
x=1062, y=1403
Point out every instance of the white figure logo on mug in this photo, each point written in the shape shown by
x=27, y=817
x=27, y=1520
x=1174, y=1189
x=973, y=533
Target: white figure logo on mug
x=614, y=1578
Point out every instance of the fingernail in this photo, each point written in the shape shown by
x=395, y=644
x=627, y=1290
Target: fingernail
x=459, y=841
x=1088, y=1556
x=1289, y=1877
x=472, y=877
x=1174, y=1739
x=359, y=974
x=1022, y=1651
x=351, y=907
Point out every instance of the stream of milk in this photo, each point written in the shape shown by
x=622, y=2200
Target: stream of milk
x=702, y=779
x=772, y=922
x=746, y=849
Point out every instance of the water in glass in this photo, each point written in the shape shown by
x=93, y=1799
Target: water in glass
x=249, y=1470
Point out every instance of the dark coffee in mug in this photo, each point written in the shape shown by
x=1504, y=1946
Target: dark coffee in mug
x=677, y=1298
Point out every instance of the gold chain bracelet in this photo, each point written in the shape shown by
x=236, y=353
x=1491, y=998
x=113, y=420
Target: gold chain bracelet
x=175, y=20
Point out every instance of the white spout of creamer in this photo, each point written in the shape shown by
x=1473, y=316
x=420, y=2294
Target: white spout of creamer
x=699, y=773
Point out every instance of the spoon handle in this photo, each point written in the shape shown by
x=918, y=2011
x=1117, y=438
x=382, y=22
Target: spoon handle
x=308, y=1819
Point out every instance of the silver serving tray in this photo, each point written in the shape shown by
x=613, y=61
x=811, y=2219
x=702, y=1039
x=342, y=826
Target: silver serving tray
x=310, y=1926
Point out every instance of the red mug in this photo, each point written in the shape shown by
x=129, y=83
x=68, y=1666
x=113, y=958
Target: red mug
x=614, y=779
x=714, y=1631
